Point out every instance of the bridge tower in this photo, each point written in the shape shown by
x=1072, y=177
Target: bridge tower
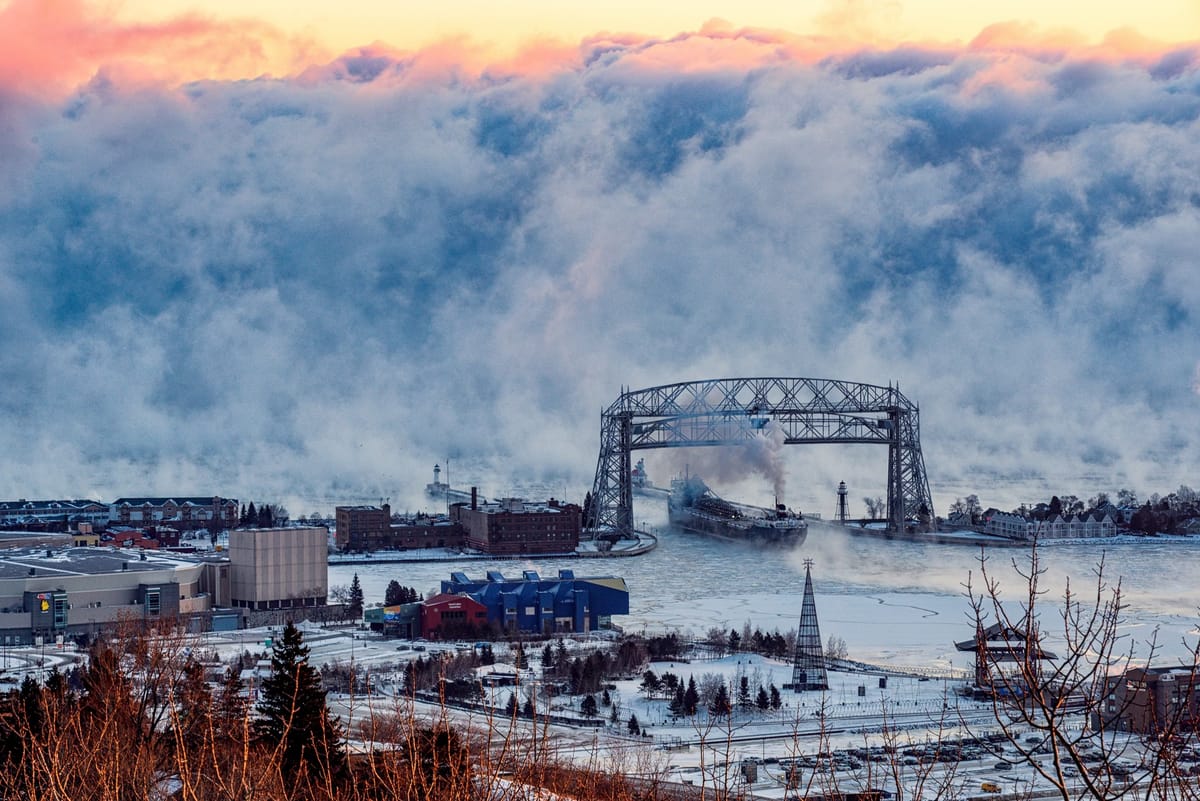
x=808, y=668
x=736, y=411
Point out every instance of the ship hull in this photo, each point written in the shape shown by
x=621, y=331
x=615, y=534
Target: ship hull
x=743, y=530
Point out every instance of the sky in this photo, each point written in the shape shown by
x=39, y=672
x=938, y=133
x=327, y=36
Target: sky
x=267, y=251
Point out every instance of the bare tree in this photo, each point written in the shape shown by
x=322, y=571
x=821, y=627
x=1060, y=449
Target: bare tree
x=1059, y=711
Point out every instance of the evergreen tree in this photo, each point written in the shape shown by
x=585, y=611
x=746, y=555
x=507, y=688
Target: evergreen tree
x=651, y=684
x=776, y=700
x=512, y=707
x=735, y=640
x=676, y=704
x=719, y=705
x=762, y=701
x=548, y=659
x=486, y=655
x=606, y=699
x=231, y=705
x=588, y=705
x=293, y=716
x=354, y=603
x=527, y=710
x=634, y=727
x=251, y=515
x=691, y=697
x=394, y=594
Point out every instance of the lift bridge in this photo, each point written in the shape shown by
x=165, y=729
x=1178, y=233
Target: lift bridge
x=733, y=411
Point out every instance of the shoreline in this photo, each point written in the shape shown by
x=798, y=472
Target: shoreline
x=646, y=543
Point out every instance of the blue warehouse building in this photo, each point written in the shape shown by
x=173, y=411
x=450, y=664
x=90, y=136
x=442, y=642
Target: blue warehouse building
x=536, y=604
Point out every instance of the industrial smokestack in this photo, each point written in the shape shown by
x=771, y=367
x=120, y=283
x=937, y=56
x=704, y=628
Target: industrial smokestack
x=474, y=498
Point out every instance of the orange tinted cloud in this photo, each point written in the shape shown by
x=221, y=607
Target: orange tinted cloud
x=51, y=46
x=48, y=46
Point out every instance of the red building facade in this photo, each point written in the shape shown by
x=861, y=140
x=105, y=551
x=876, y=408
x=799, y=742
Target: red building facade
x=446, y=617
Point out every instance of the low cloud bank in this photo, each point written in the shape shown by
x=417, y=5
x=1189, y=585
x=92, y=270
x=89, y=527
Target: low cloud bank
x=315, y=287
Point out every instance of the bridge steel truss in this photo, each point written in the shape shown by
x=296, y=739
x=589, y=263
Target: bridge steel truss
x=732, y=411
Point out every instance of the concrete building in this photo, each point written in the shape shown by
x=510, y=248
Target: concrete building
x=516, y=526
x=72, y=592
x=278, y=568
x=182, y=513
x=534, y=604
x=1150, y=701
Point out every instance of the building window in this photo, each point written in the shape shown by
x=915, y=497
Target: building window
x=153, y=603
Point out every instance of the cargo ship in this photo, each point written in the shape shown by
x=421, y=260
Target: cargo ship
x=694, y=507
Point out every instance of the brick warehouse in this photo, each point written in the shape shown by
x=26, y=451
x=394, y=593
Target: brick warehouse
x=516, y=526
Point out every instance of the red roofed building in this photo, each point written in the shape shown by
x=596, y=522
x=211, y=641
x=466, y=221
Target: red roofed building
x=445, y=616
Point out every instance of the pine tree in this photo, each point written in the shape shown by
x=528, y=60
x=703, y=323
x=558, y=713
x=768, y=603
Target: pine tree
x=588, y=705
x=394, y=594
x=776, y=700
x=676, y=704
x=512, y=706
x=548, y=659
x=691, y=697
x=354, y=604
x=527, y=710
x=762, y=701
x=293, y=716
x=634, y=727
x=231, y=705
x=719, y=706
x=251, y=515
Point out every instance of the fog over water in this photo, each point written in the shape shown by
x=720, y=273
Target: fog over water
x=888, y=600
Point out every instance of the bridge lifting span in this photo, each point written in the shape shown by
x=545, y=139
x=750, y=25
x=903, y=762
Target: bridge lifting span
x=732, y=411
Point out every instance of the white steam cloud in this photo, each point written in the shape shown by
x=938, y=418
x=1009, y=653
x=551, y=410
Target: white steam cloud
x=314, y=289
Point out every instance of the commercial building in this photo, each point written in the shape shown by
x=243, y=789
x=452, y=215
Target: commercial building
x=516, y=526
x=57, y=591
x=531, y=603
x=1150, y=701
x=72, y=592
x=446, y=617
x=182, y=513
x=278, y=568
x=402, y=620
